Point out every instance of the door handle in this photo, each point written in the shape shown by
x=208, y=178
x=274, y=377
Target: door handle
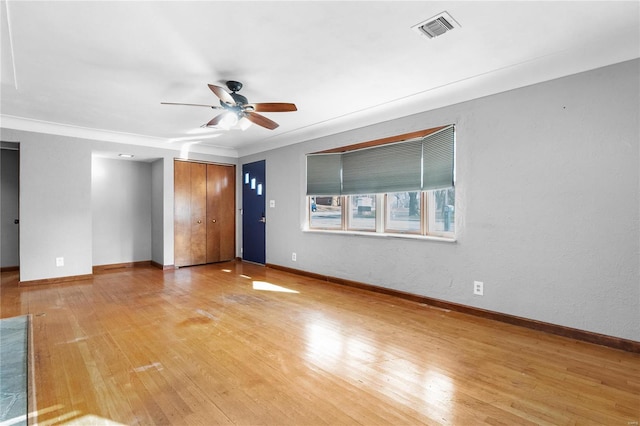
x=213, y=221
x=199, y=221
x=262, y=219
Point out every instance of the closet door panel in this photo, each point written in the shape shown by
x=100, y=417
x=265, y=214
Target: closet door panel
x=198, y=213
x=213, y=218
x=228, y=215
x=220, y=213
x=182, y=213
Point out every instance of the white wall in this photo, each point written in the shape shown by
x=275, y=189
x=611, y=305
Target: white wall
x=547, y=207
x=121, y=206
x=9, y=210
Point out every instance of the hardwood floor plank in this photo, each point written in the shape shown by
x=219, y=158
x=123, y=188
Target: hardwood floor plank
x=236, y=344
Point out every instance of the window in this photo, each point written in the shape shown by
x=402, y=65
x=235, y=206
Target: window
x=403, y=212
x=362, y=212
x=402, y=185
x=325, y=212
x=442, y=213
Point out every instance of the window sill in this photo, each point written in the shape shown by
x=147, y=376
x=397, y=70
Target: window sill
x=383, y=235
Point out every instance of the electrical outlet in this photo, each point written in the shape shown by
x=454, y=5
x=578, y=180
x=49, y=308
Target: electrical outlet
x=59, y=261
x=478, y=288
x=294, y=257
x=272, y=203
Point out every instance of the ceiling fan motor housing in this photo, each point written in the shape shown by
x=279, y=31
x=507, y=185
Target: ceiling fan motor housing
x=239, y=107
x=234, y=86
x=240, y=100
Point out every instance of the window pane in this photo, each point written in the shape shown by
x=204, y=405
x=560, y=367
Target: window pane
x=403, y=212
x=325, y=212
x=362, y=212
x=442, y=214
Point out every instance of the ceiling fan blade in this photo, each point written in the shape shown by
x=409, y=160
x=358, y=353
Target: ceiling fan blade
x=273, y=107
x=261, y=120
x=215, y=120
x=222, y=94
x=198, y=105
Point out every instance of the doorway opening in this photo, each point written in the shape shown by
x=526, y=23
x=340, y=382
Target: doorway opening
x=10, y=206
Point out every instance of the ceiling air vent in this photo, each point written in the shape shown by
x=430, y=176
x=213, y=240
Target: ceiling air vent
x=436, y=26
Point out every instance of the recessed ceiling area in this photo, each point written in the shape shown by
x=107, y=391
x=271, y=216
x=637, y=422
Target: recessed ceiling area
x=124, y=156
x=102, y=69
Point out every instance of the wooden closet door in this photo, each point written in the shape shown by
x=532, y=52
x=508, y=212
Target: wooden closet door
x=198, y=213
x=181, y=213
x=189, y=213
x=221, y=202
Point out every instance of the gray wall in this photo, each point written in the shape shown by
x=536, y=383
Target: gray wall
x=547, y=207
x=10, y=171
x=56, y=204
x=157, y=212
x=55, y=207
x=121, y=206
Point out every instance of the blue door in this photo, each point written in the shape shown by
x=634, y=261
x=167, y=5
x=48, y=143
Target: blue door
x=253, y=210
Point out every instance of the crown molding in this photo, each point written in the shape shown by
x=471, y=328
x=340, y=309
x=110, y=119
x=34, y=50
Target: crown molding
x=39, y=126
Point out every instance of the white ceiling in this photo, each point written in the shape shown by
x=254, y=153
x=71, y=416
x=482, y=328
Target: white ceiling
x=101, y=69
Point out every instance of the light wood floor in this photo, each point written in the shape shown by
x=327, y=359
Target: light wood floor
x=218, y=344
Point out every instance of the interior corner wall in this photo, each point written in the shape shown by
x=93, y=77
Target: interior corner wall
x=121, y=204
x=547, y=206
x=157, y=212
x=168, y=211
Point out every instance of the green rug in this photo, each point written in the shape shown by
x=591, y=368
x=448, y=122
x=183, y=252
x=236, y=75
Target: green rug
x=13, y=370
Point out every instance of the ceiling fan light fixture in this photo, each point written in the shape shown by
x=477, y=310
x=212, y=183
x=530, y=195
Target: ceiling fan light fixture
x=229, y=120
x=244, y=124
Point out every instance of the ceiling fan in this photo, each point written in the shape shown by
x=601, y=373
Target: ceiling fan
x=237, y=107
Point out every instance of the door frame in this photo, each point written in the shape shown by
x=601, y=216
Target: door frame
x=254, y=214
x=15, y=147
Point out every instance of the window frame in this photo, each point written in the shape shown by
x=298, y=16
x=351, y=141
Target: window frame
x=442, y=234
x=382, y=209
x=381, y=218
